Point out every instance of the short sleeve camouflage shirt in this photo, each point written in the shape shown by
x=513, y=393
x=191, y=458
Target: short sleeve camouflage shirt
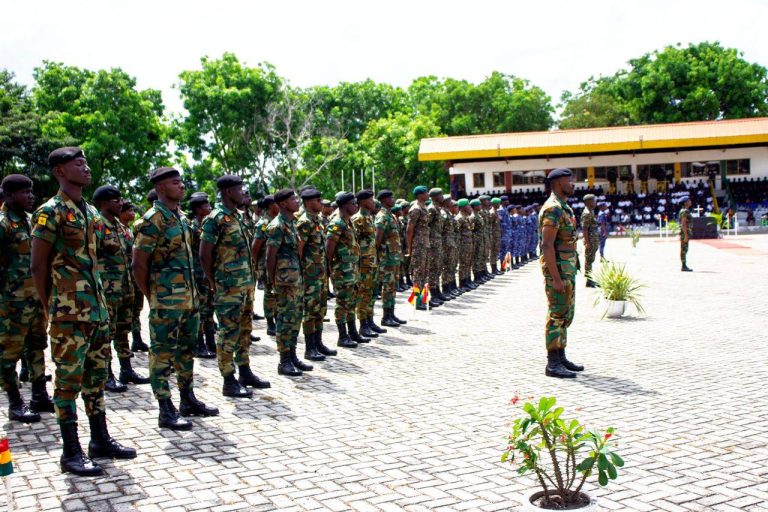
x=310, y=230
x=391, y=252
x=282, y=235
x=113, y=243
x=559, y=214
x=345, y=264
x=365, y=233
x=232, y=262
x=15, y=256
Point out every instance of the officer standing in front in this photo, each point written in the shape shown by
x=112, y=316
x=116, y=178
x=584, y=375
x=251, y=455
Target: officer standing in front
x=686, y=231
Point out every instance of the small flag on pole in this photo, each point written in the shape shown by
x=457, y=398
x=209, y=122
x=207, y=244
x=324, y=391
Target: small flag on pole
x=425, y=294
x=415, y=295
x=6, y=462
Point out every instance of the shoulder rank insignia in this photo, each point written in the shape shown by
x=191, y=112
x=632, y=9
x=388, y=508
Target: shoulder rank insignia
x=42, y=219
x=71, y=217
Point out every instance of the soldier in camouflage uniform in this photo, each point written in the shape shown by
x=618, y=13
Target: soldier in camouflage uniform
x=436, y=298
x=315, y=276
x=417, y=241
x=559, y=264
x=22, y=324
x=494, y=231
x=365, y=288
x=487, y=214
x=112, y=245
x=225, y=255
x=285, y=280
x=343, y=253
x=164, y=270
x=686, y=231
x=405, y=266
x=479, y=256
x=200, y=207
x=591, y=236
x=448, y=235
x=66, y=277
x=259, y=251
x=249, y=222
x=389, y=255
x=465, y=229
x=127, y=217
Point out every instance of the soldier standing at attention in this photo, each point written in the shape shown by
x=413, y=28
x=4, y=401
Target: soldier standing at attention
x=417, y=240
x=314, y=273
x=258, y=249
x=343, y=253
x=464, y=229
x=225, y=255
x=249, y=222
x=22, y=323
x=505, y=227
x=405, y=266
x=389, y=255
x=112, y=247
x=602, y=220
x=67, y=280
x=479, y=255
x=591, y=236
x=686, y=230
x=285, y=281
x=448, y=268
x=164, y=270
x=200, y=206
x=494, y=239
x=435, y=259
x=559, y=264
x=127, y=216
x=365, y=288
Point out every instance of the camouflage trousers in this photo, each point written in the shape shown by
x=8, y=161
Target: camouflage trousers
x=173, y=337
x=138, y=305
x=561, y=307
x=80, y=351
x=233, y=339
x=388, y=277
x=420, y=264
x=22, y=332
x=365, y=292
x=479, y=255
x=450, y=262
x=405, y=267
x=345, y=301
x=270, y=303
x=590, y=252
x=435, y=263
x=466, y=251
x=289, y=315
x=120, y=310
x=315, y=304
x=206, y=303
x=494, y=250
x=683, y=252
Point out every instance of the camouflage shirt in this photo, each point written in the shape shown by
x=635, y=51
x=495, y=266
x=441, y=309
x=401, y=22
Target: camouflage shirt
x=196, y=227
x=113, y=242
x=448, y=228
x=435, y=223
x=260, y=233
x=559, y=214
x=166, y=236
x=310, y=230
x=419, y=217
x=390, y=253
x=365, y=233
x=15, y=256
x=77, y=294
x=686, y=214
x=464, y=226
x=282, y=235
x=589, y=222
x=344, y=267
x=232, y=262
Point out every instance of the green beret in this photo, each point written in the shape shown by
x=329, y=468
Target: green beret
x=474, y=202
x=396, y=208
x=495, y=200
x=435, y=192
x=421, y=189
x=484, y=197
x=463, y=202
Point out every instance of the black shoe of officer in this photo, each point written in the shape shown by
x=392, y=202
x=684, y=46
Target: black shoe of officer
x=434, y=303
x=247, y=378
x=128, y=375
x=393, y=317
x=257, y=317
x=686, y=269
x=138, y=344
x=103, y=445
x=72, y=458
x=324, y=350
x=271, y=327
x=202, y=348
x=286, y=367
x=420, y=306
x=310, y=349
x=387, y=319
x=365, y=330
x=191, y=406
x=233, y=389
x=568, y=364
x=254, y=338
x=555, y=367
x=298, y=363
x=375, y=328
x=40, y=401
x=352, y=330
x=169, y=417
x=112, y=385
x=344, y=340
x=18, y=410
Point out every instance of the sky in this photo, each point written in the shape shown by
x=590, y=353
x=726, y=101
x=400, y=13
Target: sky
x=554, y=44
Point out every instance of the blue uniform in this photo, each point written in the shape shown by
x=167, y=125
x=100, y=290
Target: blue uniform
x=505, y=228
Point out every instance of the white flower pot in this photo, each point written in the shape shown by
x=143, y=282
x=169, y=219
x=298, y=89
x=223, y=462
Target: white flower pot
x=615, y=308
x=534, y=495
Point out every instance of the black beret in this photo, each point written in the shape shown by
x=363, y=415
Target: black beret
x=383, y=194
x=560, y=172
x=310, y=193
x=364, y=194
x=151, y=196
x=64, y=155
x=15, y=182
x=343, y=198
x=127, y=205
x=163, y=173
x=267, y=201
x=282, y=195
x=228, y=180
x=198, y=198
x=105, y=193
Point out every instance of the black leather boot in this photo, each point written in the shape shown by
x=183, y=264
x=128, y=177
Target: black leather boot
x=555, y=367
x=286, y=367
x=103, y=445
x=344, y=340
x=257, y=317
x=248, y=378
x=387, y=319
x=434, y=303
x=685, y=268
x=128, y=375
x=112, y=385
x=138, y=344
x=191, y=406
x=202, y=348
x=310, y=349
x=298, y=363
x=40, y=401
x=394, y=317
x=210, y=340
x=375, y=328
x=569, y=365
x=365, y=330
x=169, y=417
x=72, y=458
x=233, y=389
x=352, y=330
x=270, y=326
x=321, y=347
x=18, y=410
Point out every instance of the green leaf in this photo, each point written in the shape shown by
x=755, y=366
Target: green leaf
x=586, y=464
x=504, y=456
x=617, y=460
x=612, y=473
x=602, y=478
x=602, y=462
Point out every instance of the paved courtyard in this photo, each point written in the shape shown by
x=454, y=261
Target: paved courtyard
x=415, y=420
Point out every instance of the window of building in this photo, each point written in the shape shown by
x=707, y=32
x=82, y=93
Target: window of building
x=579, y=174
x=737, y=166
x=478, y=180
x=498, y=179
x=528, y=177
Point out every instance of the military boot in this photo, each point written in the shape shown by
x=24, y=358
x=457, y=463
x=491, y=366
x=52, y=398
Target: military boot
x=111, y=384
x=72, y=458
x=685, y=268
x=555, y=366
x=464, y=286
x=495, y=270
x=352, y=330
x=169, y=417
x=257, y=317
x=434, y=303
x=271, y=326
x=568, y=364
x=103, y=445
x=128, y=375
x=286, y=367
x=191, y=406
x=138, y=344
x=344, y=340
x=444, y=295
x=321, y=347
x=248, y=378
x=310, y=350
x=387, y=319
x=393, y=317
x=202, y=349
x=365, y=330
x=40, y=401
x=375, y=328
x=210, y=340
x=18, y=410
x=234, y=389
x=298, y=363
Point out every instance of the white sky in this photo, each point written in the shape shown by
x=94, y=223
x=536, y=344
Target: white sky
x=554, y=44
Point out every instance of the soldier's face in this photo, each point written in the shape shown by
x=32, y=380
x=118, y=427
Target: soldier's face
x=327, y=210
x=567, y=186
x=291, y=204
x=172, y=189
x=388, y=202
x=590, y=204
x=314, y=206
x=422, y=197
x=112, y=206
x=22, y=200
x=204, y=209
x=688, y=204
x=367, y=204
x=75, y=172
x=351, y=207
x=127, y=216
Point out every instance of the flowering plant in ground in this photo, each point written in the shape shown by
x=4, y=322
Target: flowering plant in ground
x=561, y=454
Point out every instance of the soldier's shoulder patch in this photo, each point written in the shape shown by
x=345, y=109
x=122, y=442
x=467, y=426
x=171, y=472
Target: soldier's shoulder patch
x=42, y=219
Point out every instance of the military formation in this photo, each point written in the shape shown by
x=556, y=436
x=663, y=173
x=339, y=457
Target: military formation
x=83, y=271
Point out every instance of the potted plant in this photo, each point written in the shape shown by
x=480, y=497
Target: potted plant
x=617, y=288
x=561, y=455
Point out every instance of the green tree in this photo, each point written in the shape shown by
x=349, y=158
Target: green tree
x=595, y=104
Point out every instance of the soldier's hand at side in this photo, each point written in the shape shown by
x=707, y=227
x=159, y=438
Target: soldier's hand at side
x=212, y=286
x=558, y=286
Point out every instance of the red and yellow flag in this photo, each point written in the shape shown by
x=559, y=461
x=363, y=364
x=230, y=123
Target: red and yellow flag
x=415, y=294
x=425, y=294
x=6, y=462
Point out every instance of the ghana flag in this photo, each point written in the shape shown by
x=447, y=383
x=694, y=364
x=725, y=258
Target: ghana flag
x=6, y=464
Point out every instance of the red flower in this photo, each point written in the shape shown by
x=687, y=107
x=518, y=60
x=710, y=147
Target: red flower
x=514, y=400
x=608, y=436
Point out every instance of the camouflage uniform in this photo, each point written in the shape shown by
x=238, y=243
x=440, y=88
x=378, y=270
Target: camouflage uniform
x=559, y=214
x=406, y=260
x=250, y=220
x=78, y=309
x=201, y=282
x=365, y=233
x=420, y=250
x=344, y=267
x=390, y=256
x=685, y=214
x=465, y=229
x=137, y=303
x=478, y=243
x=589, y=222
x=313, y=266
x=435, y=246
x=233, y=274
x=288, y=287
x=22, y=326
x=494, y=239
x=261, y=233
x=448, y=266
x=173, y=320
